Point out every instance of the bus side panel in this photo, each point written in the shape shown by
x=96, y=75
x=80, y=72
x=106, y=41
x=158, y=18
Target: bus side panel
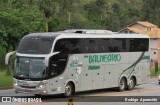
x=143, y=73
x=86, y=79
x=97, y=77
x=57, y=84
x=75, y=76
x=110, y=76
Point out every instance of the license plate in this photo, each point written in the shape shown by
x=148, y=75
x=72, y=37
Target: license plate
x=28, y=91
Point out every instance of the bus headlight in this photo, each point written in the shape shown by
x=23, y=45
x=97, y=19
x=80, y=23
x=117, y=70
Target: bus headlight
x=15, y=83
x=42, y=84
x=159, y=77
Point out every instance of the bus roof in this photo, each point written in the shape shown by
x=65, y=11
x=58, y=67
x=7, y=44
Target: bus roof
x=87, y=31
x=81, y=35
x=115, y=35
x=44, y=34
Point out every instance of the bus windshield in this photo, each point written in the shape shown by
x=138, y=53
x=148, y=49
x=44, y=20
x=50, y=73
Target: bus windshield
x=30, y=68
x=35, y=45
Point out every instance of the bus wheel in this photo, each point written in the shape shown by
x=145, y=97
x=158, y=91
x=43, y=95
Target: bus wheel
x=122, y=85
x=68, y=90
x=131, y=84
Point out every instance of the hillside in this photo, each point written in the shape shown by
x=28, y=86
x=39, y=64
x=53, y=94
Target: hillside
x=135, y=3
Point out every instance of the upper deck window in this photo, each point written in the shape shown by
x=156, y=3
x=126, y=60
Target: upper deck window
x=35, y=45
x=66, y=46
x=101, y=45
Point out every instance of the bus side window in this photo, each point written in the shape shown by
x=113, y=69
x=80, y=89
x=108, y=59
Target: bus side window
x=138, y=45
x=132, y=45
x=119, y=45
x=111, y=49
x=143, y=44
x=69, y=46
x=62, y=46
x=103, y=45
x=57, y=65
x=76, y=46
x=92, y=45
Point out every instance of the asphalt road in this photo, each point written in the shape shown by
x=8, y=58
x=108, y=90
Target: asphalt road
x=100, y=97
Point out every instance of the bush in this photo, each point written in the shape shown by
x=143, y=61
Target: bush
x=2, y=57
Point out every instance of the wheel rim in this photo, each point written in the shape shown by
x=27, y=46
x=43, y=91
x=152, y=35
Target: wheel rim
x=122, y=84
x=68, y=90
x=131, y=83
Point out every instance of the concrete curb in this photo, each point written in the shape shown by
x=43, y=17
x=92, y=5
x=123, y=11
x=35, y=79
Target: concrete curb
x=6, y=87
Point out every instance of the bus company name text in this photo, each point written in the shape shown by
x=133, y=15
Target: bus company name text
x=104, y=58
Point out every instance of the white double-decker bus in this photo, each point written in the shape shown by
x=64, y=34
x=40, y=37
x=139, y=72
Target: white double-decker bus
x=55, y=63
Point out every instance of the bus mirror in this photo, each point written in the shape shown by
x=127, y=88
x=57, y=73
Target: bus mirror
x=46, y=60
x=7, y=57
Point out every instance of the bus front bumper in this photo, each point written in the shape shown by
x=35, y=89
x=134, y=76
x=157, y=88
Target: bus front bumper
x=42, y=91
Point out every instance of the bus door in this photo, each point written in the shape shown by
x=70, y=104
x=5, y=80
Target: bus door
x=57, y=66
x=78, y=71
x=74, y=70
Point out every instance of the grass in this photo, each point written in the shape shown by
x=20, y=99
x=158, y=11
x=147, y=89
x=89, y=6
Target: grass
x=152, y=72
x=5, y=80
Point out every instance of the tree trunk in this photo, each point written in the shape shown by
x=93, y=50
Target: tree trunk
x=46, y=24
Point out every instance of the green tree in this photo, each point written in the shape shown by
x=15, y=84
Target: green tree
x=48, y=8
x=151, y=11
x=112, y=23
x=104, y=8
x=15, y=23
x=66, y=7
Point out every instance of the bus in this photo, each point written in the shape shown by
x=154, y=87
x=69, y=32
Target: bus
x=65, y=63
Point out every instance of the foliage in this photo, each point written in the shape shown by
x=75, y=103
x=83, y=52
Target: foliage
x=151, y=11
x=152, y=72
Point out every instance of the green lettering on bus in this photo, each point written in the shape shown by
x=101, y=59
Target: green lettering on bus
x=93, y=67
x=104, y=58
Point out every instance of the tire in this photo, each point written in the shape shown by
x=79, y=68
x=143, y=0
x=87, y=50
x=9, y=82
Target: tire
x=132, y=83
x=122, y=85
x=68, y=90
x=159, y=83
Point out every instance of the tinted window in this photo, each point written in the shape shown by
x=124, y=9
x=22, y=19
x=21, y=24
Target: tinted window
x=57, y=64
x=76, y=46
x=67, y=46
x=91, y=46
x=144, y=44
x=112, y=45
x=105, y=45
x=137, y=45
x=35, y=45
x=119, y=45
